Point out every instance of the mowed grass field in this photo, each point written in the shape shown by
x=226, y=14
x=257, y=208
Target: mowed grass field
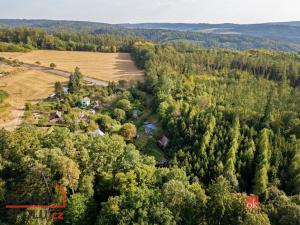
x=103, y=66
x=24, y=86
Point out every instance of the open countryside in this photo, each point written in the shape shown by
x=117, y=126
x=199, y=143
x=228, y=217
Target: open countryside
x=193, y=121
x=102, y=66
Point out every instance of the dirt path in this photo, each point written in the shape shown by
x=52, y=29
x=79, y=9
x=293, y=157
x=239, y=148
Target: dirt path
x=63, y=73
x=16, y=122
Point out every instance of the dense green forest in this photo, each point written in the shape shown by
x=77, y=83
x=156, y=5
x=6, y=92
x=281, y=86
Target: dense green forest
x=28, y=38
x=233, y=123
x=281, y=37
x=207, y=40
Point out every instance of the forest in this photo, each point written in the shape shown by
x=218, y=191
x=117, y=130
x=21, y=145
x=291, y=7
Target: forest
x=232, y=119
x=108, y=32
x=24, y=39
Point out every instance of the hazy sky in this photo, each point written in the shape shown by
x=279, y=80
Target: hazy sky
x=123, y=11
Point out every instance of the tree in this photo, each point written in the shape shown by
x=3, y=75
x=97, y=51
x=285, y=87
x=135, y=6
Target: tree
x=52, y=65
x=113, y=49
x=75, y=80
x=128, y=131
x=204, y=143
x=59, y=91
x=119, y=114
x=219, y=201
x=124, y=104
x=294, y=168
x=261, y=174
x=77, y=210
x=232, y=153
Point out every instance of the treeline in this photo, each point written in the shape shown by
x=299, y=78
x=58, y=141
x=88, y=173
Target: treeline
x=110, y=39
x=206, y=40
x=189, y=59
x=9, y=47
x=39, y=39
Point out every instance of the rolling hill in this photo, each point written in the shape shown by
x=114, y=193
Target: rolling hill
x=283, y=36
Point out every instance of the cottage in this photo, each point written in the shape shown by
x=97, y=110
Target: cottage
x=164, y=141
x=149, y=128
x=52, y=96
x=163, y=163
x=85, y=102
x=98, y=133
x=65, y=90
x=55, y=115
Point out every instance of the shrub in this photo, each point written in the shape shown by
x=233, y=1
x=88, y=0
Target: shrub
x=119, y=114
x=124, y=104
x=128, y=131
x=3, y=95
x=52, y=65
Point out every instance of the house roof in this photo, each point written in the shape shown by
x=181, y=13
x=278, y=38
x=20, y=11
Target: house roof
x=86, y=99
x=65, y=89
x=98, y=132
x=56, y=114
x=164, y=141
x=150, y=126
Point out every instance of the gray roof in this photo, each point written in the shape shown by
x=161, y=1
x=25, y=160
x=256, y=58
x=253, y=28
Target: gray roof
x=150, y=126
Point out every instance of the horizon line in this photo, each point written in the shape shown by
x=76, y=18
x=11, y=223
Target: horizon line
x=133, y=23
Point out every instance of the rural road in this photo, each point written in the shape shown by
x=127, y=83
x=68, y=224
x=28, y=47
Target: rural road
x=63, y=73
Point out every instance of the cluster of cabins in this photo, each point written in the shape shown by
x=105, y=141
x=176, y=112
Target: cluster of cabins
x=149, y=128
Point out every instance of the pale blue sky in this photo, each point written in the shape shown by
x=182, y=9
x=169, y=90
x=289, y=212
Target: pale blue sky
x=133, y=11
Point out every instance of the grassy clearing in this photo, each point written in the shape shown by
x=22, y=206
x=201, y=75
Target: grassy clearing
x=103, y=66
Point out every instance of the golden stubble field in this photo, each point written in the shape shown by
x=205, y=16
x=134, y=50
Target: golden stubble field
x=24, y=86
x=103, y=66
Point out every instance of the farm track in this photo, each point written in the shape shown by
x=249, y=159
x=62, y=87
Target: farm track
x=63, y=73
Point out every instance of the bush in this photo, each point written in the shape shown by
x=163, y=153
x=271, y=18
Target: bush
x=9, y=47
x=128, y=131
x=28, y=106
x=52, y=65
x=119, y=114
x=3, y=95
x=106, y=122
x=124, y=104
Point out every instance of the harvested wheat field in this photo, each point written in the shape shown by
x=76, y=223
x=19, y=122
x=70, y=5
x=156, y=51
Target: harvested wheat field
x=103, y=66
x=6, y=69
x=22, y=87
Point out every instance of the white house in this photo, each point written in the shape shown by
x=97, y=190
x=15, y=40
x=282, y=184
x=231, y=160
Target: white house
x=98, y=132
x=66, y=90
x=85, y=102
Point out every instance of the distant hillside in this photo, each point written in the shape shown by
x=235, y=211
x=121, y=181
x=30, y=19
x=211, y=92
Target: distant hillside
x=55, y=25
x=282, y=31
x=275, y=36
